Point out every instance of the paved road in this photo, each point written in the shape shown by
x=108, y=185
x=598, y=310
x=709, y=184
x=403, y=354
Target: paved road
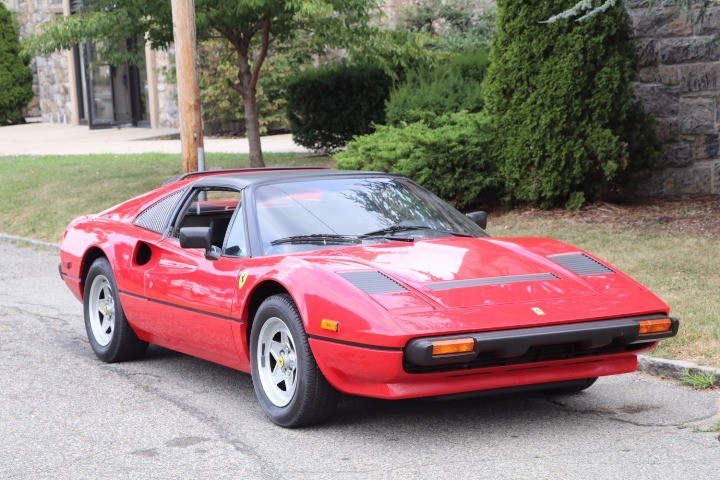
x=58, y=139
x=64, y=414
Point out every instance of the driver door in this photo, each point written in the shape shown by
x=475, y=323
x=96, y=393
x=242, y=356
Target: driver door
x=193, y=295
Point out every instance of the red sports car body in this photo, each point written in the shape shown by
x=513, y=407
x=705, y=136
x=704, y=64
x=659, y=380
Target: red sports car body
x=393, y=293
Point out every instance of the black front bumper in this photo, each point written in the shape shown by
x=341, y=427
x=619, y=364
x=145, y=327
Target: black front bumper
x=537, y=344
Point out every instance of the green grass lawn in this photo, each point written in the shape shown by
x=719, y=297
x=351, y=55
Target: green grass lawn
x=40, y=195
x=683, y=270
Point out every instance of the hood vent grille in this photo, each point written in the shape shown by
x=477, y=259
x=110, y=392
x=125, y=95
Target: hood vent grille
x=373, y=282
x=581, y=264
x=484, y=282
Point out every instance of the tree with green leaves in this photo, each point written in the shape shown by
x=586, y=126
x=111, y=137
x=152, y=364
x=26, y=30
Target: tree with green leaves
x=251, y=26
x=561, y=96
x=451, y=25
x=15, y=74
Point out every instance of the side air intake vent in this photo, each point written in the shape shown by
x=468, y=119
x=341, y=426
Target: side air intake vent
x=581, y=264
x=372, y=282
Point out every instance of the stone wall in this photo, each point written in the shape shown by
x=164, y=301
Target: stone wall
x=50, y=73
x=168, y=114
x=679, y=84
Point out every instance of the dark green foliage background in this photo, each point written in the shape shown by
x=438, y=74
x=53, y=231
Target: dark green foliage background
x=453, y=85
x=561, y=97
x=451, y=156
x=327, y=106
x=15, y=74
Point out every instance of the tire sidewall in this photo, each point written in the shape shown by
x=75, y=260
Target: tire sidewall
x=102, y=267
x=276, y=307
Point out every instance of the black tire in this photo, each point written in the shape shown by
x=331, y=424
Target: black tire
x=577, y=387
x=118, y=342
x=314, y=399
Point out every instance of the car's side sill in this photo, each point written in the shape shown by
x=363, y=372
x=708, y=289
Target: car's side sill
x=355, y=344
x=189, y=309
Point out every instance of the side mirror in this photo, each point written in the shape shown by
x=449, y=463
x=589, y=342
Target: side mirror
x=196, y=237
x=479, y=218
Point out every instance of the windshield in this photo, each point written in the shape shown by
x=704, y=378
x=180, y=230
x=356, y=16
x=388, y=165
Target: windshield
x=340, y=211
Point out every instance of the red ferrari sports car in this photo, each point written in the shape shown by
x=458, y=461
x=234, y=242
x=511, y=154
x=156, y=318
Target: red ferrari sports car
x=319, y=281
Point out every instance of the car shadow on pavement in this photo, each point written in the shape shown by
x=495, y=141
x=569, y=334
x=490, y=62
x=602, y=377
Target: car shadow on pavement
x=503, y=407
x=634, y=399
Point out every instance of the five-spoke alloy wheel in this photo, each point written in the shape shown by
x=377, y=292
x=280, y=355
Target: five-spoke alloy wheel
x=277, y=360
x=111, y=337
x=290, y=387
x=101, y=310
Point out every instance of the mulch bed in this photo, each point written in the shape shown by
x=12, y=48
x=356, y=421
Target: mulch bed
x=696, y=216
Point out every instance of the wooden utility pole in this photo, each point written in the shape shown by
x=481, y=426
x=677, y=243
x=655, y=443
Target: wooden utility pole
x=191, y=134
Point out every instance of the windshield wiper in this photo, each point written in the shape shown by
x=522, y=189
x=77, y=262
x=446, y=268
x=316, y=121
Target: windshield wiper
x=404, y=228
x=394, y=229
x=318, y=238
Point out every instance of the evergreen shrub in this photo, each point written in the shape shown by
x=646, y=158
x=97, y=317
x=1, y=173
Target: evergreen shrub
x=15, y=74
x=451, y=156
x=561, y=98
x=453, y=85
x=327, y=106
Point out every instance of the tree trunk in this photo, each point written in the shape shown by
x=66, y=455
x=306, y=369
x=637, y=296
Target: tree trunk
x=247, y=86
x=252, y=128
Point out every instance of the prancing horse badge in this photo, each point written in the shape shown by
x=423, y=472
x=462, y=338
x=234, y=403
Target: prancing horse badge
x=242, y=279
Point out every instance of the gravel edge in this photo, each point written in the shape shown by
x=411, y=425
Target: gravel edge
x=660, y=367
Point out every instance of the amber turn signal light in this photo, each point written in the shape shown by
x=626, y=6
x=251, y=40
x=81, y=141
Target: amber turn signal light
x=451, y=347
x=331, y=325
x=655, y=326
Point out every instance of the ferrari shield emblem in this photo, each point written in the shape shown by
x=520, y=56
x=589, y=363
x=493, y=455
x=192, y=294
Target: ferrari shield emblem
x=537, y=310
x=242, y=279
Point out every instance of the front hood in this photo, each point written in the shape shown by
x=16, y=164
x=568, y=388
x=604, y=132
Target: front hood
x=462, y=272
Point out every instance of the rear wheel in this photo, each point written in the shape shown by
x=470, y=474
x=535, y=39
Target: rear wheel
x=290, y=387
x=111, y=337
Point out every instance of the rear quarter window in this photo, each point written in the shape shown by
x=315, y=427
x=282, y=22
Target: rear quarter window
x=156, y=216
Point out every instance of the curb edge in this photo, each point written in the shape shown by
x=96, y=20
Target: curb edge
x=677, y=369
x=28, y=241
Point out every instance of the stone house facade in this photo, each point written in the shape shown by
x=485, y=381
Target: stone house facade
x=679, y=84
x=70, y=88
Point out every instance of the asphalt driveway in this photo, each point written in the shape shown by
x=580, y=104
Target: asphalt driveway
x=65, y=414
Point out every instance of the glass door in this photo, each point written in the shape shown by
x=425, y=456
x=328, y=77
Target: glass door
x=113, y=95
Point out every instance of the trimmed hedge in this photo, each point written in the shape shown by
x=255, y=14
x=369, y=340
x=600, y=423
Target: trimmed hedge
x=451, y=156
x=563, y=104
x=452, y=86
x=328, y=106
x=15, y=74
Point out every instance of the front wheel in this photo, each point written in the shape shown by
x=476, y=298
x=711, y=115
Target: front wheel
x=290, y=387
x=111, y=336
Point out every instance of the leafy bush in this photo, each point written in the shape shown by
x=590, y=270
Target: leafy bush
x=451, y=156
x=562, y=102
x=223, y=109
x=15, y=74
x=453, y=25
x=327, y=106
x=452, y=86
